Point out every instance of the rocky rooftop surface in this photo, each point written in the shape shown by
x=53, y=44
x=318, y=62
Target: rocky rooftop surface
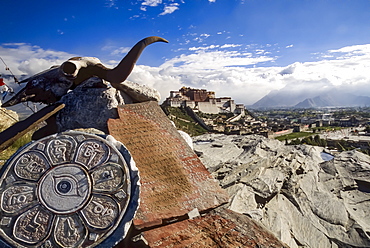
x=304, y=200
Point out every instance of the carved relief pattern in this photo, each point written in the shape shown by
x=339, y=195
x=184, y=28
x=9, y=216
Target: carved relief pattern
x=32, y=226
x=31, y=165
x=101, y=212
x=69, y=231
x=64, y=190
x=92, y=153
x=17, y=197
x=108, y=178
x=61, y=150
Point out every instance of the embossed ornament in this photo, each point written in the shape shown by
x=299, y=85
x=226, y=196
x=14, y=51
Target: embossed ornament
x=67, y=190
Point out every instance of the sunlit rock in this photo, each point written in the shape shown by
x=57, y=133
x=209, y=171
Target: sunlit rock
x=302, y=198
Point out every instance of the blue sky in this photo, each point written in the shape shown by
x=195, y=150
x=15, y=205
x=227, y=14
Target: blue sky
x=233, y=47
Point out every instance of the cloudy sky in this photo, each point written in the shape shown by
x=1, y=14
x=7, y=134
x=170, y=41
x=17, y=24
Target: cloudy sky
x=238, y=48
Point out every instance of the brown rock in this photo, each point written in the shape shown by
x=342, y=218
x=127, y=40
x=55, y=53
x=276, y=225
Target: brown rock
x=219, y=228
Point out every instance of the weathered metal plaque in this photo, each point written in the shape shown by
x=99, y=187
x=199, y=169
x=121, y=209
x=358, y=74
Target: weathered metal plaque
x=173, y=179
x=65, y=190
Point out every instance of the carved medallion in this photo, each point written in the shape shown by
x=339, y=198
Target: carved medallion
x=66, y=190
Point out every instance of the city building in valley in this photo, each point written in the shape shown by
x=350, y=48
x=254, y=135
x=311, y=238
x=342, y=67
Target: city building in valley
x=201, y=100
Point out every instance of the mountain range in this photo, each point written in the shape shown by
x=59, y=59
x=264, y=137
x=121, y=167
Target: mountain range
x=307, y=99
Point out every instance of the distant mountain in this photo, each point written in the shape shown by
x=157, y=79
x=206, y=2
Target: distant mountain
x=281, y=98
x=334, y=99
x=330, y=98
x=266, y=102
x=325, y=100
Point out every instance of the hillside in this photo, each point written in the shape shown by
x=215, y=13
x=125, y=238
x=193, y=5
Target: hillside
x=183, y=121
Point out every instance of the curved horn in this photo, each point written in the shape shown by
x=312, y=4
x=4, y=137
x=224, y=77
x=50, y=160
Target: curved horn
x=124, y=68
x=84, y=68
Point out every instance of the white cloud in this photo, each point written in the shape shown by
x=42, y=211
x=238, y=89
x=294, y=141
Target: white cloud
x=289, y=69
x=216, y=71
x=356, y=49
x=215, y=60
x=245, y=85
x=289, y=46
x=203, y=48
x=110, y=3
x=213, y=47
x=25, y=59
x=228, y=73
x=198, y=38
x=229, y=45
x=152, y=3
x=134, y=17
x=121, y=50
x=212, y=1
x=169, y=9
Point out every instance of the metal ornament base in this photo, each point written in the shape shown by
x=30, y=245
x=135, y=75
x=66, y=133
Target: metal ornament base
x=71, y=189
